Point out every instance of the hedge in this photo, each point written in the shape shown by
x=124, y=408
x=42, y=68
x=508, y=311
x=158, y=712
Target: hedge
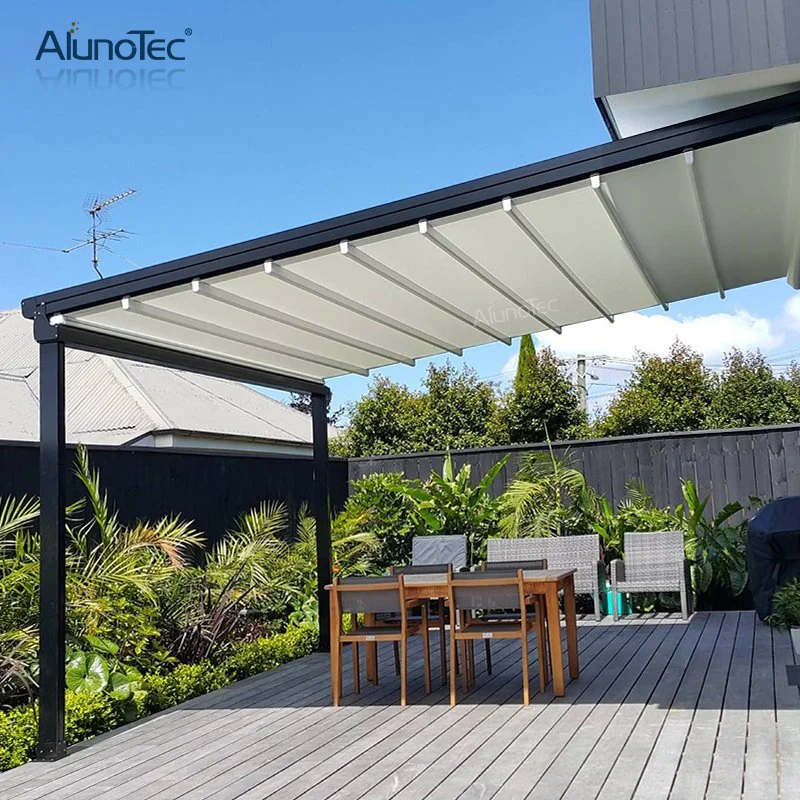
x=88, y=715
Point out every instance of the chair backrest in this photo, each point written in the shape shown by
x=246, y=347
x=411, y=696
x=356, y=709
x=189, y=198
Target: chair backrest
x=513, y=566
x=580, y=552
x=420, y=569
x=657, y=555
x=440, y=550
x=472, y=591
x=369, y=595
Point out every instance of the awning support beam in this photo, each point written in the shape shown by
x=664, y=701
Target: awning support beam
x=536, y=238
x=237, y=337
x=603, y=194
x=420, y=292
x=278, y=272
x=699, y=206
x=321, y=511
x=227, y=298
x=470, y=264
x=52, y=565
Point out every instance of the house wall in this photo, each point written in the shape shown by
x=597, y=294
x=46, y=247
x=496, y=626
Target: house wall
x=212, y=489
x=640, y=44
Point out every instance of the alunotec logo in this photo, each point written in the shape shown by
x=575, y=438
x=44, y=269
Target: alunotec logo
x=144, y=47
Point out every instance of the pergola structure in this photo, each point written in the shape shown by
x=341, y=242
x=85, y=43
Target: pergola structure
x=699, y=207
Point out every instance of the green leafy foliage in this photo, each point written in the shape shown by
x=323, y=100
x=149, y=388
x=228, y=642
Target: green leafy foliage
x=786, y=606
x=450, y=504
x=663, y=394
x=715, y=547
x=454, y=408
x=543, y=399
x=636, y=513
x=748, y=393
x=378, y=504
x=89, y=714
x=548, y=497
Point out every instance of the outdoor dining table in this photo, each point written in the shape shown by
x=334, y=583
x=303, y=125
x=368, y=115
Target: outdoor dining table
x=545, y=582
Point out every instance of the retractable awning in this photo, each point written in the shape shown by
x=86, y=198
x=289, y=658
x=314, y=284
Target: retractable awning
x=700, y=207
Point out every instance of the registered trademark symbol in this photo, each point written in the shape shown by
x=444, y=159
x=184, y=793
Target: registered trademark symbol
x=188, y=31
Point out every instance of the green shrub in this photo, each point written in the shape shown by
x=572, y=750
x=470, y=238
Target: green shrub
x=786, y=606
x=18, y=736
x=250, y=658
x=183, y=683
x=89, y=715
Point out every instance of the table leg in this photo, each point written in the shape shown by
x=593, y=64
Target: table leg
x=571, y=626
x=371, y=652
x=554, y=637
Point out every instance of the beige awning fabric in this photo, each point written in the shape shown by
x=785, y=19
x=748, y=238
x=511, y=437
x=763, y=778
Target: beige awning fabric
x=701, y=220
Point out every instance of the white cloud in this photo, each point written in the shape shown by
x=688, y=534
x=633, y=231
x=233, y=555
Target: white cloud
x=710, y=335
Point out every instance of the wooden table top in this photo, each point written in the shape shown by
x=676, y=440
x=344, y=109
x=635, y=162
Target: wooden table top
x=438, y=580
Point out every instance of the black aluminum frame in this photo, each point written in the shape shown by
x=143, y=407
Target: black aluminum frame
x=617, y=155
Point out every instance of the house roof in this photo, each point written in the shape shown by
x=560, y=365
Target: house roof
x=114, y=401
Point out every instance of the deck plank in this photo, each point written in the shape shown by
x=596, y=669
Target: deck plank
x=635, y=727
x=728, y=764
x=691, y=779
x=662, y=709
x=654, y=780
x=761, y=754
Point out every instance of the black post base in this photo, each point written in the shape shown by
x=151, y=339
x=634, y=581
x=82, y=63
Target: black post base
x=51, y=751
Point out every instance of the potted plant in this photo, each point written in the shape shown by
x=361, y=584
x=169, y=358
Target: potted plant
x=786, y=611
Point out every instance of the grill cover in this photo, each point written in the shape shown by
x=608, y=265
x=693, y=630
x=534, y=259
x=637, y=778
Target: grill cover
x=773, y=550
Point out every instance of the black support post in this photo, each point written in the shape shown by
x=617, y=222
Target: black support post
x=319, y=412
x=52, y=571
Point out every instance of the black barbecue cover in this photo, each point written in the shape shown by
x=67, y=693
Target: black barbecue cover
x=773, y=550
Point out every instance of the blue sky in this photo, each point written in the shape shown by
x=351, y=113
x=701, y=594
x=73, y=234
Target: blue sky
x=286, y=113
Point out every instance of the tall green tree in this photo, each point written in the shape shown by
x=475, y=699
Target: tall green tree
x=526, y=364
x=542, y=401
x=385, y=420
x=748, y=393
x=457, y=408
x=672, y=393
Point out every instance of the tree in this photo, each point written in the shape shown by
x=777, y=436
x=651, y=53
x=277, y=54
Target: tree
x=748, y=393
x=526, y=364
x=542, y=402
x=385, y=420
x=457, y=408
x=664, y=394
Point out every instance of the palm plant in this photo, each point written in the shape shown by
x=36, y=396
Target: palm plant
x=548, y=497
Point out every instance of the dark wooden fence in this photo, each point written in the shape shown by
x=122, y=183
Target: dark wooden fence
x=214, y=488
x=210, y=488
x=726, y=465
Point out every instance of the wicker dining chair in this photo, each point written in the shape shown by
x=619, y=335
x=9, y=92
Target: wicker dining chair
x=581, y=552
x=473, y=592
x=537, y=601
x=654, y=562
x=373, y=595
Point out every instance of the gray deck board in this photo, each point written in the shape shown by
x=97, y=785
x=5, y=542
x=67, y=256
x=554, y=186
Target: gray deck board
x=663, y=709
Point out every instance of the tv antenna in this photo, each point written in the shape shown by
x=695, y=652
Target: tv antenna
x=96, y=237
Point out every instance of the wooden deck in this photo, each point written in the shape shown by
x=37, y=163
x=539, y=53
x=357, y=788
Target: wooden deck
x=663, y=709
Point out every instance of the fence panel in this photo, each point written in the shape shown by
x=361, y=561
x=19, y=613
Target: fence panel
x=726, y=465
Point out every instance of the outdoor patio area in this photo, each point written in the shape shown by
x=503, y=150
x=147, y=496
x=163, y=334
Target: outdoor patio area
x=663, y=709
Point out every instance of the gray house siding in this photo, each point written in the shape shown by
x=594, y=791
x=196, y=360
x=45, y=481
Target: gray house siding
x=642, y=44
